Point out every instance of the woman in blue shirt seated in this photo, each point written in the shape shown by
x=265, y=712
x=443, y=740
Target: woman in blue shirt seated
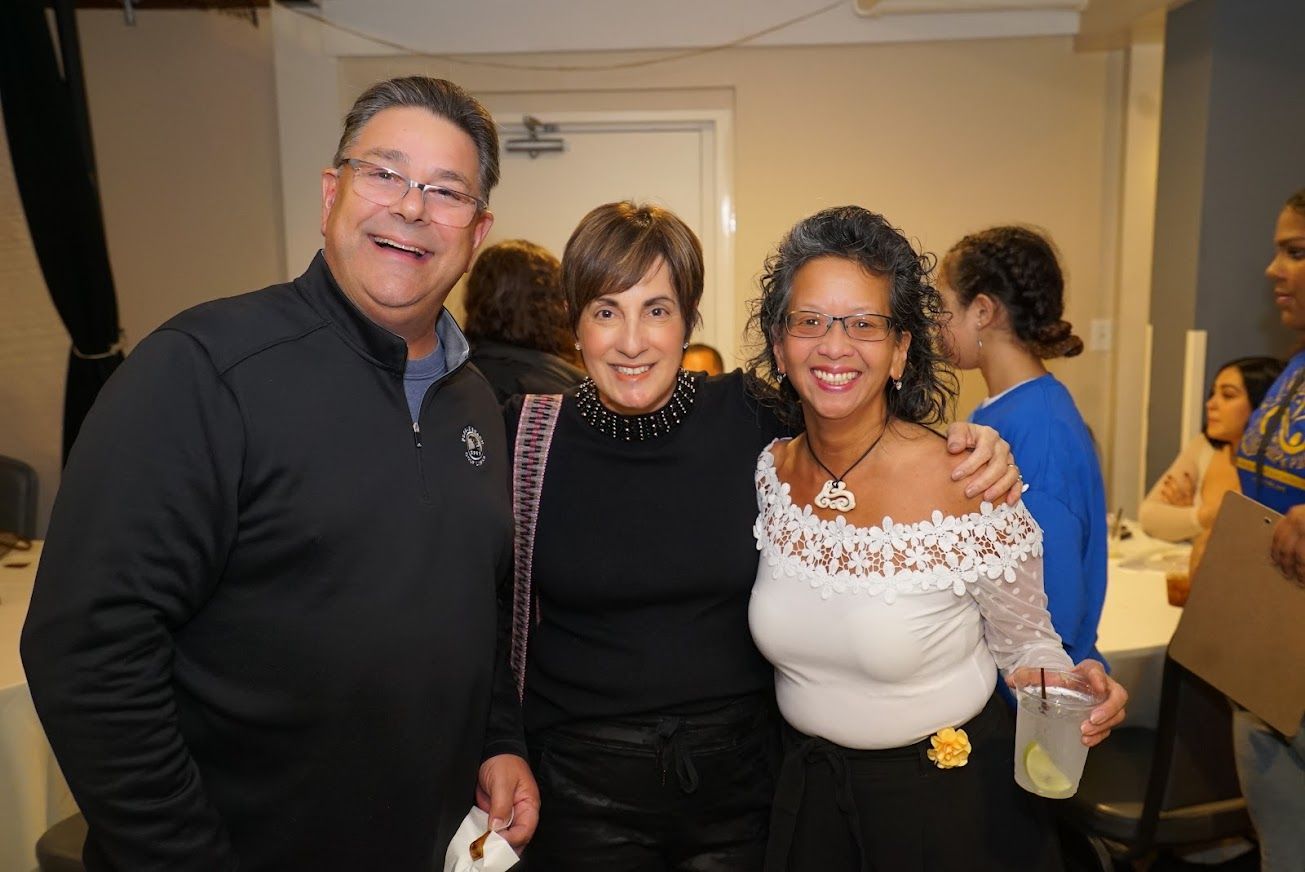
x=1004, y=291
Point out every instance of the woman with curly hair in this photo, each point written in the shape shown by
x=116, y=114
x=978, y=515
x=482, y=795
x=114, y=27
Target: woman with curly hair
x=1004, y=293
x=886, y=599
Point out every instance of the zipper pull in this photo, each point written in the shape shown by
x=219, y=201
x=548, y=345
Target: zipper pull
x=416, y=433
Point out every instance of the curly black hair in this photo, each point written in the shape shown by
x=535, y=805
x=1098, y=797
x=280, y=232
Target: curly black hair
x=867, y=239
x=1017, y=267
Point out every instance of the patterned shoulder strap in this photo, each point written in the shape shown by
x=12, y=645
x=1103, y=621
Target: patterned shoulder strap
x=534, y=435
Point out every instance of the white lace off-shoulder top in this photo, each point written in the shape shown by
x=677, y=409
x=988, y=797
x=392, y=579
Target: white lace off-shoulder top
x=881, y=636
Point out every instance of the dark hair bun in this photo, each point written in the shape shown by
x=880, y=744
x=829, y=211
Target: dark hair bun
x=1018, y=267
x=1056, y=340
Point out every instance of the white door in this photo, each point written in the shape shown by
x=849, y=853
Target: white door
x=646, y=157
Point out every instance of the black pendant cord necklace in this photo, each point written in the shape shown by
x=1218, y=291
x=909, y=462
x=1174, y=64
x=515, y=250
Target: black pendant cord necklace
x=835, y=493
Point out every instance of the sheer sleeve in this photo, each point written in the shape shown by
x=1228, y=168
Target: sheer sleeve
x=1009, y=592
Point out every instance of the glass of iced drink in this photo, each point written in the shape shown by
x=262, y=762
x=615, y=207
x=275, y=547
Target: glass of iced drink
x=1049, y=750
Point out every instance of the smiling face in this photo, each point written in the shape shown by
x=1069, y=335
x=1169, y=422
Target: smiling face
x=631, y=343
x=395, y=264
x=1228, y=408
x=1287, y=269
x=837, y=377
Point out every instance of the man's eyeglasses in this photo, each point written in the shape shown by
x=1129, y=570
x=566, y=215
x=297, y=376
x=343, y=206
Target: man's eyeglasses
x=863, y=327
x=385, y=187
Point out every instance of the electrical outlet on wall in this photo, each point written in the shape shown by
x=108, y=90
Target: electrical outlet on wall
x=1102, y=334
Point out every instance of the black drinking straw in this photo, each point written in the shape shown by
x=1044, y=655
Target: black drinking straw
x=1042, y=672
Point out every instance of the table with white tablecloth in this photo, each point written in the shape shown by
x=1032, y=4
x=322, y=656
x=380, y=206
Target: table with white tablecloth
x=1137, y=621
x=33, y=794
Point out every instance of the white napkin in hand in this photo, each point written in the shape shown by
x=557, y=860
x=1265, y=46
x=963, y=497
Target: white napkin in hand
x=499, y=856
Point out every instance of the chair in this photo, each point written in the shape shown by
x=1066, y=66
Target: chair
x=18, y=486
x=1172, y=786
x=60, y=848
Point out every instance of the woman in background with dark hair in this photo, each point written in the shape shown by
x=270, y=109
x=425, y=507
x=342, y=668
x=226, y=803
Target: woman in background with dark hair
x=1186, y=498
x=1005, y=294
x=516, y=321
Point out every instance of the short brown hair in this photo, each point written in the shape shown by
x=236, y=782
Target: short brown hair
x=614, y=247
x=514, y=296
x=439, y=97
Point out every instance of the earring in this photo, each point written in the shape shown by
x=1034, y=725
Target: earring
x=577, y=346
x=685, y=346
x=897, y=383
x=782, y=376
x=980, y=343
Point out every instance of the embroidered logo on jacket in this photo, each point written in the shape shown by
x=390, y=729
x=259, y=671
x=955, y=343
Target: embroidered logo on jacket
x=475, y=452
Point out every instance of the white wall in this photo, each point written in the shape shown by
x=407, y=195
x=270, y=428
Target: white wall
x=184, y=116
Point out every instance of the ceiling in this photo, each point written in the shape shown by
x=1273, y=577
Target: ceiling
x=588, y=25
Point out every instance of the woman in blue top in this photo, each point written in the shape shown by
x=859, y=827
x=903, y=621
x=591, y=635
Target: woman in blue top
x=1004, y=290
x=1271, y=466
x=1271, y=456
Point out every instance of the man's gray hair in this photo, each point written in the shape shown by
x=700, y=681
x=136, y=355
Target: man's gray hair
x=439, y=97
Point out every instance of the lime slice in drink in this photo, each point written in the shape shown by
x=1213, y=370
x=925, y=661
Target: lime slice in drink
x=1049, y=780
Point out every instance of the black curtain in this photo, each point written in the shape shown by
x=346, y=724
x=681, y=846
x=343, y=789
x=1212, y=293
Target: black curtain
x=48, y=128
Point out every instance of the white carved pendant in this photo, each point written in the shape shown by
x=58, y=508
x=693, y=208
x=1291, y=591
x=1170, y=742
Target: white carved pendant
x=835, y=495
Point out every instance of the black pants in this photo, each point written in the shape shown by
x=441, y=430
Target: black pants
x=842, y=810
x=657, y=793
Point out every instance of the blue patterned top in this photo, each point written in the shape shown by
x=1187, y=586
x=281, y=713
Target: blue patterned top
x=1271, y=455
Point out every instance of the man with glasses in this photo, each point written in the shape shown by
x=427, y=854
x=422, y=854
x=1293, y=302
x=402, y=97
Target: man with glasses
x=263, y=633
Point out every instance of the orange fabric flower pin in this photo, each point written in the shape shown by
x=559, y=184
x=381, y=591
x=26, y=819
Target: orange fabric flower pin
x=951, y=748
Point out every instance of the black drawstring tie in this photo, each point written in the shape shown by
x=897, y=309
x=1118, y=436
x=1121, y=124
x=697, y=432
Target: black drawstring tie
x=671, y=750
x=792, y=784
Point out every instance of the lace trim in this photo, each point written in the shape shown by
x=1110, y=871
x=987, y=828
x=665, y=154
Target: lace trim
x=890, y=559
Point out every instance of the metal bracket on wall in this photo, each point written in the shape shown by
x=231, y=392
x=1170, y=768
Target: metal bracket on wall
x=532, y=143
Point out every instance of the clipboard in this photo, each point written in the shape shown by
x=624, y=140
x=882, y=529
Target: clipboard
x=1241, y=630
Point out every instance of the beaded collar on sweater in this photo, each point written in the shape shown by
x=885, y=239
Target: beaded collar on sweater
x=637, y=428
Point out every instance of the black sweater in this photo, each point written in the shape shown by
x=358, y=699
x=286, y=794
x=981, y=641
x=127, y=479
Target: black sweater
x=512, y=370
x=644, y=562
x=262, y=634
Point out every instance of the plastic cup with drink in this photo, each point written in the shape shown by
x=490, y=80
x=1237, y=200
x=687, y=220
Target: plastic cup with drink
x=1049, y=749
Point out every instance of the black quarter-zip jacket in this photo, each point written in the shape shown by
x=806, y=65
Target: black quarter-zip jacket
x=263, y=631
